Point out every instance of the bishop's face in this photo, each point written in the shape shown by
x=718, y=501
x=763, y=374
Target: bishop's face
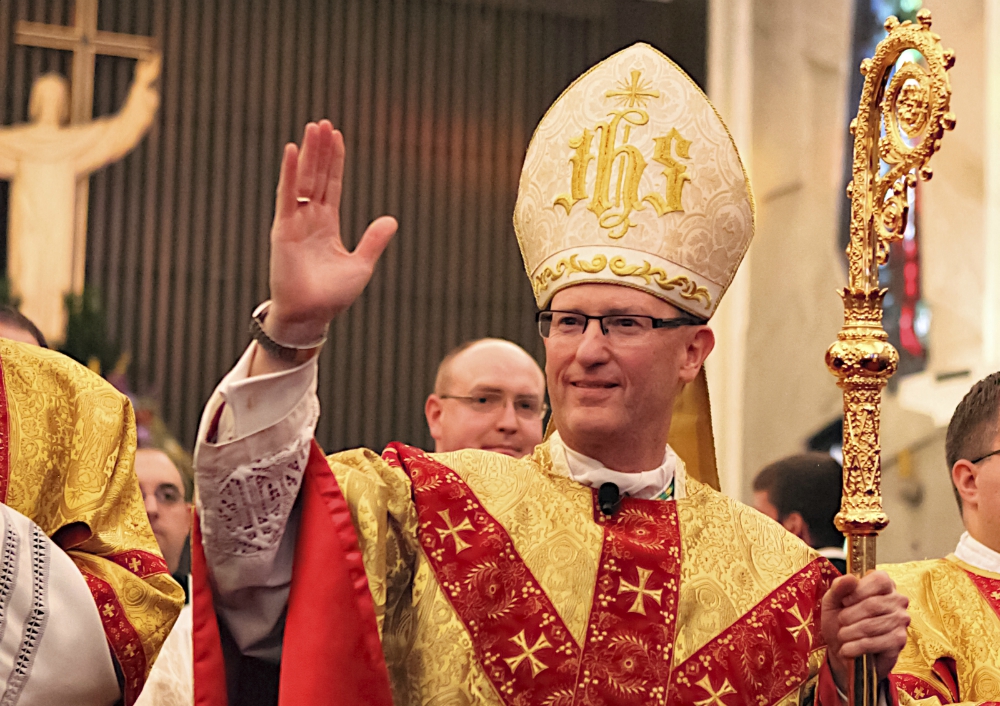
x=615, y=393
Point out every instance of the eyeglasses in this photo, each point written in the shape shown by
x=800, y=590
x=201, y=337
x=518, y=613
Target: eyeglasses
x=618, y=326
x=166, y=494
x=983, y=458
x=492, y=402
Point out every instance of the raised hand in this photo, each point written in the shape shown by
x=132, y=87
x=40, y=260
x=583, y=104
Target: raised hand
x=864, y=616
x=313, y=276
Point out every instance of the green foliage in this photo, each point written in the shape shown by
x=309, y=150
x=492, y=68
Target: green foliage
x=7, y=297
x=87, y=339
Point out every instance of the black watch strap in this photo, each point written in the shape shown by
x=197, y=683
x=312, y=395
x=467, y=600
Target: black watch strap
x=280, y=351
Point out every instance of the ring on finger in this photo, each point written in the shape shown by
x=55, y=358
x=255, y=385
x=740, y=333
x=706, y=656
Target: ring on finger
x=303, y=199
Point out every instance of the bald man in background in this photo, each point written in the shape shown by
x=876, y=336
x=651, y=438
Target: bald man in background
x=489, y=394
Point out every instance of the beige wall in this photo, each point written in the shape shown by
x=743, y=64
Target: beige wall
x=924, y=516
x=799, y=109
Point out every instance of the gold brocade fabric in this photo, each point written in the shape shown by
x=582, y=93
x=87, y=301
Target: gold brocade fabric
x=950, y=620
x=70, y=442
x=732, y=558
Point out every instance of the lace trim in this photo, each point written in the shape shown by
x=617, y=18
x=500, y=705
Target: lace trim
x=8, y=573
x=35, y=625
x=246, y=513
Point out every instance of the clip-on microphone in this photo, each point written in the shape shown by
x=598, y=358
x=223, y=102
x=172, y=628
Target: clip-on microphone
x=609, y=498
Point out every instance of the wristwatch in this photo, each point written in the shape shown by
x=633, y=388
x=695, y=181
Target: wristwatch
x=282, y=351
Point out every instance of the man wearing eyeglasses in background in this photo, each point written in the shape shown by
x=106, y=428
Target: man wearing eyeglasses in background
x=167, y=501
x=166, y=493
x=953, y=646
x=489, y=394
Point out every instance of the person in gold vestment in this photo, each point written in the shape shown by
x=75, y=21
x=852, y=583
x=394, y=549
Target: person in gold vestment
x=595, y=570
x=953, y=651
x=85, y=597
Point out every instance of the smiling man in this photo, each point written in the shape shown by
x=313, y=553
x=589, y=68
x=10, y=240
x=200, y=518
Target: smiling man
x=489, y=394
x=594, y=571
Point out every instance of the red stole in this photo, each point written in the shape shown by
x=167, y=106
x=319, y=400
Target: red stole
x=332, y=655
x=989, y=589
x=529, y=654
x=331, y=650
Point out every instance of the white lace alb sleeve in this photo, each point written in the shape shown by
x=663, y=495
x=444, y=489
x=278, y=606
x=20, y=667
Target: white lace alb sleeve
x=252, y=449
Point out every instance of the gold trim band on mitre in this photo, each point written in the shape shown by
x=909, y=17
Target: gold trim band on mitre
x=696, y=292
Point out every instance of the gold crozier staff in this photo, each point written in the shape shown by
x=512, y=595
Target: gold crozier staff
x=912, y=106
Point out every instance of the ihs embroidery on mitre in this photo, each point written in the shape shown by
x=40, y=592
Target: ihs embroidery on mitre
x=616, y=191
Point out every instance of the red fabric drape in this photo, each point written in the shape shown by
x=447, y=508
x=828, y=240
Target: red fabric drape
x=331, y=651
x=209, y=667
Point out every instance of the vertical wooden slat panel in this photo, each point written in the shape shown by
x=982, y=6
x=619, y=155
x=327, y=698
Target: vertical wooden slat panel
x=222, y=122
x=181, y=312
x=236, y=132
x=437, y=100
x=413, y=178
x=137, y=20
x=443, y=130
x=252, y=219
x=191, y=327
x=489, y=130
x=271, y=136
x=370, y=129
x=361, y=208
x=342, y=370
x=173, y=90
x=468, y=164
x=381, y=164
x=149, y=269
x=453, y=176
x=421, y=254
x=318, y=22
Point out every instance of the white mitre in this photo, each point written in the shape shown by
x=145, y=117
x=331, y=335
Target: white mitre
x=632, y=178
x=52, y=644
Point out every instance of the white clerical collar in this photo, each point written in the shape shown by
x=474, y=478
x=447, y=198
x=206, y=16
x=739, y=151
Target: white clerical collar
x=592, y=473
x=977, y=554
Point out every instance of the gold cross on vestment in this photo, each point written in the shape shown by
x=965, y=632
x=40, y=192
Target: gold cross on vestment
x=130, y=650
x=134, y=564
x=108, y=610
x=528, y=653
x=801, y=625
x=453, y=530
x=640, y=591
x=714, y=697
x=86, y=42
x=634, y=92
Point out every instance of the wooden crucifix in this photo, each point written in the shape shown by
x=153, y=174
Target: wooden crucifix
x=31, y=153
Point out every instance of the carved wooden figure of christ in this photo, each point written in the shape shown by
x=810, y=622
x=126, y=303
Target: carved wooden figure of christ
x=49, y=159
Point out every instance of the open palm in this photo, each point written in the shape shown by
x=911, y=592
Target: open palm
x=313, y=276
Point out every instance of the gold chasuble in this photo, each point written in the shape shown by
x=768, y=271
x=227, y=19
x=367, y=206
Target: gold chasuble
x=67, y=441
x=953, y=643
x=499, y=581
